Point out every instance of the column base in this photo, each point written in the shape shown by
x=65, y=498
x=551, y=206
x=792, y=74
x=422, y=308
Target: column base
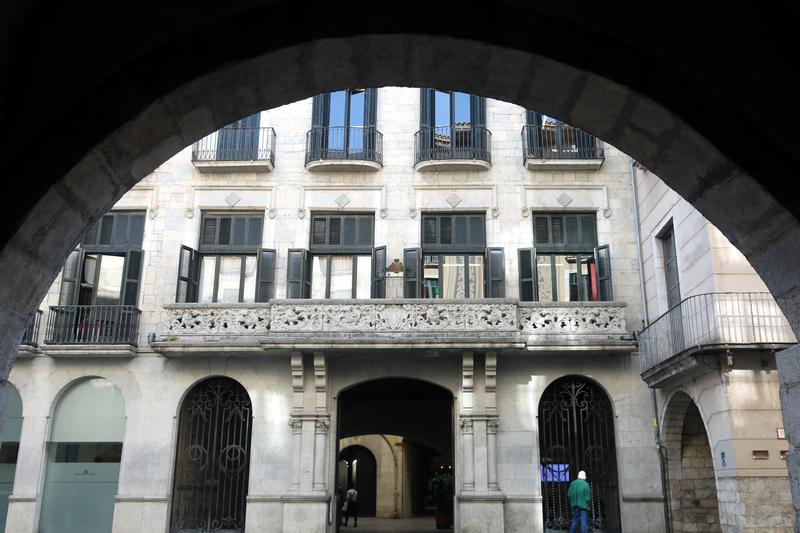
x=481, y=513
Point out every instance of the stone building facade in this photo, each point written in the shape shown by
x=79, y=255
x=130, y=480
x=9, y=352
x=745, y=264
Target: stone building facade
x=350, y=270
x=709, y=352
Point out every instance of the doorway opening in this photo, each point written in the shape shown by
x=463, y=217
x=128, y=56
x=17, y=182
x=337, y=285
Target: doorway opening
x=395, y=446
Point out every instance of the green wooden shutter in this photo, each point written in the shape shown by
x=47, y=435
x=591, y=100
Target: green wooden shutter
x=412, y=283
x=602, y=261
x=70, y=278
x=265, y=275
x=426, y=112
x=319, y=108
x=379, y=272
x=298, y=274
x=133, y=275
x=480, y=137
x=527, y=275
x=495, y=273
x=188, y=274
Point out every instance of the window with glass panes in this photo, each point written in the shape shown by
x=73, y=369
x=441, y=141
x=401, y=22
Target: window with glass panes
x=106, y=268
x=341, y=252
x=229, y=264
x=565, y=264
x=452, y=262
x=343, y=123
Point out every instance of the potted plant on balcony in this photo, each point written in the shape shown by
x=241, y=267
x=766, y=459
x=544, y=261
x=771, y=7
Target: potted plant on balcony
x=443, y=491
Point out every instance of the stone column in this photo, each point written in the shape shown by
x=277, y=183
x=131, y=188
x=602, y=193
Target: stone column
x=788, y=362
x=468, y=447
x=320, y=453
x=297, y=443
x=491, y=453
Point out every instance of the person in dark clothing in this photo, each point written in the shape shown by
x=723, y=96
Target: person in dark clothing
x=339, y=503
x=580, y=498
x=351, y=501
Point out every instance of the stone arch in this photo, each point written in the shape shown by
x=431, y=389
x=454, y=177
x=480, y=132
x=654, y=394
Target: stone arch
x=364, y=476
x=694, y=505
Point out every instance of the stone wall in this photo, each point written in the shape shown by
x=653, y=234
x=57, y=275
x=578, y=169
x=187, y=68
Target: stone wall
x=693, y=493
x=756, y=504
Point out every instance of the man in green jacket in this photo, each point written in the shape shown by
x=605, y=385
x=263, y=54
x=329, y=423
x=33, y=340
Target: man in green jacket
x=580, y=498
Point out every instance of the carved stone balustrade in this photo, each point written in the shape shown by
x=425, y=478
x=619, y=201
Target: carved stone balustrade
x=288, y=325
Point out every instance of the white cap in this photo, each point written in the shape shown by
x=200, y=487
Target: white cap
x=581, y=475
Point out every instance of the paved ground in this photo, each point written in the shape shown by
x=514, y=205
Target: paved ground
x=383, y=525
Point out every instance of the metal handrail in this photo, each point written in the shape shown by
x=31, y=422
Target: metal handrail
x=713, y=319
x=559, y=142
x=93, y=324
x=353, y=143
x=462, y=141
x=30, y=337
x=236, y=144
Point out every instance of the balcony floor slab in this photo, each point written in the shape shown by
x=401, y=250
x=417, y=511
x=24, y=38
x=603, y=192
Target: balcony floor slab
x=452, y=165
x=563, y=164
x=225, y=167
x=112, y=351
x=345, y=165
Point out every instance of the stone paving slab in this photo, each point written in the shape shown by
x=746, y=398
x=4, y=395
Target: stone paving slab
x=425, y=524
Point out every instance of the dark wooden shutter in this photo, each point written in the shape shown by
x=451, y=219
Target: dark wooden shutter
x=528, y=291
x=602, y=261
x=319, y=111
x=412, y=282
x=298, y=274
x=477, y=112
x=370, y=122
x=495, y=273
x=379, y=272
x=133, y=275
x=265, y=275
x=70, y=278
x=188, y=273
x=426, y=112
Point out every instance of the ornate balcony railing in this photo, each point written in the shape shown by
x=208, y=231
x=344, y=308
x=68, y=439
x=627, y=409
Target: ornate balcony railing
x=93, y=324
x=462, y=141
x=236, y=144
x=559, y=142
x=398, y=321
x=349, y=143
x=31, y=335
x=714, y=320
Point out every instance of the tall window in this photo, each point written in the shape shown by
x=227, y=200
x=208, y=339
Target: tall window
x=452, y=262
x=452, y=126
x=341, y=261
x=548, y=137
x=83, y=458
x=239, y=141
x=106, y=269
x=229, y=265
x=343, y=124
x=566, y=264
x=9, y=448
x=667, y=237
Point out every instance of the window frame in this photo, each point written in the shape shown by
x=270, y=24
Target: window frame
x=583, y=251
x=218, y=251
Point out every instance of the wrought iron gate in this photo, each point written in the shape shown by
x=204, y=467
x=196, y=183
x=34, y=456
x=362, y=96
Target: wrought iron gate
x=576, y=432
x=213, y=459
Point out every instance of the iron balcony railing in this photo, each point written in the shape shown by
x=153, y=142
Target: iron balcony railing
x=714, y=320
x=462, y=141
x=31, y=335
x=559, y=141
x=93, y=324
x=354, y=143
x=236, y=144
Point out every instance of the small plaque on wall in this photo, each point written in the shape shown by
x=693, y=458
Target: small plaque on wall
x=781, y=433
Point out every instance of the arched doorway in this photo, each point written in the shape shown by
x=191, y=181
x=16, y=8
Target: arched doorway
x=9, y=447
x=416, y=417
x=357, y=468
x=694, y=505
x=83, y=457
x=576, y=432
x=212, y=462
